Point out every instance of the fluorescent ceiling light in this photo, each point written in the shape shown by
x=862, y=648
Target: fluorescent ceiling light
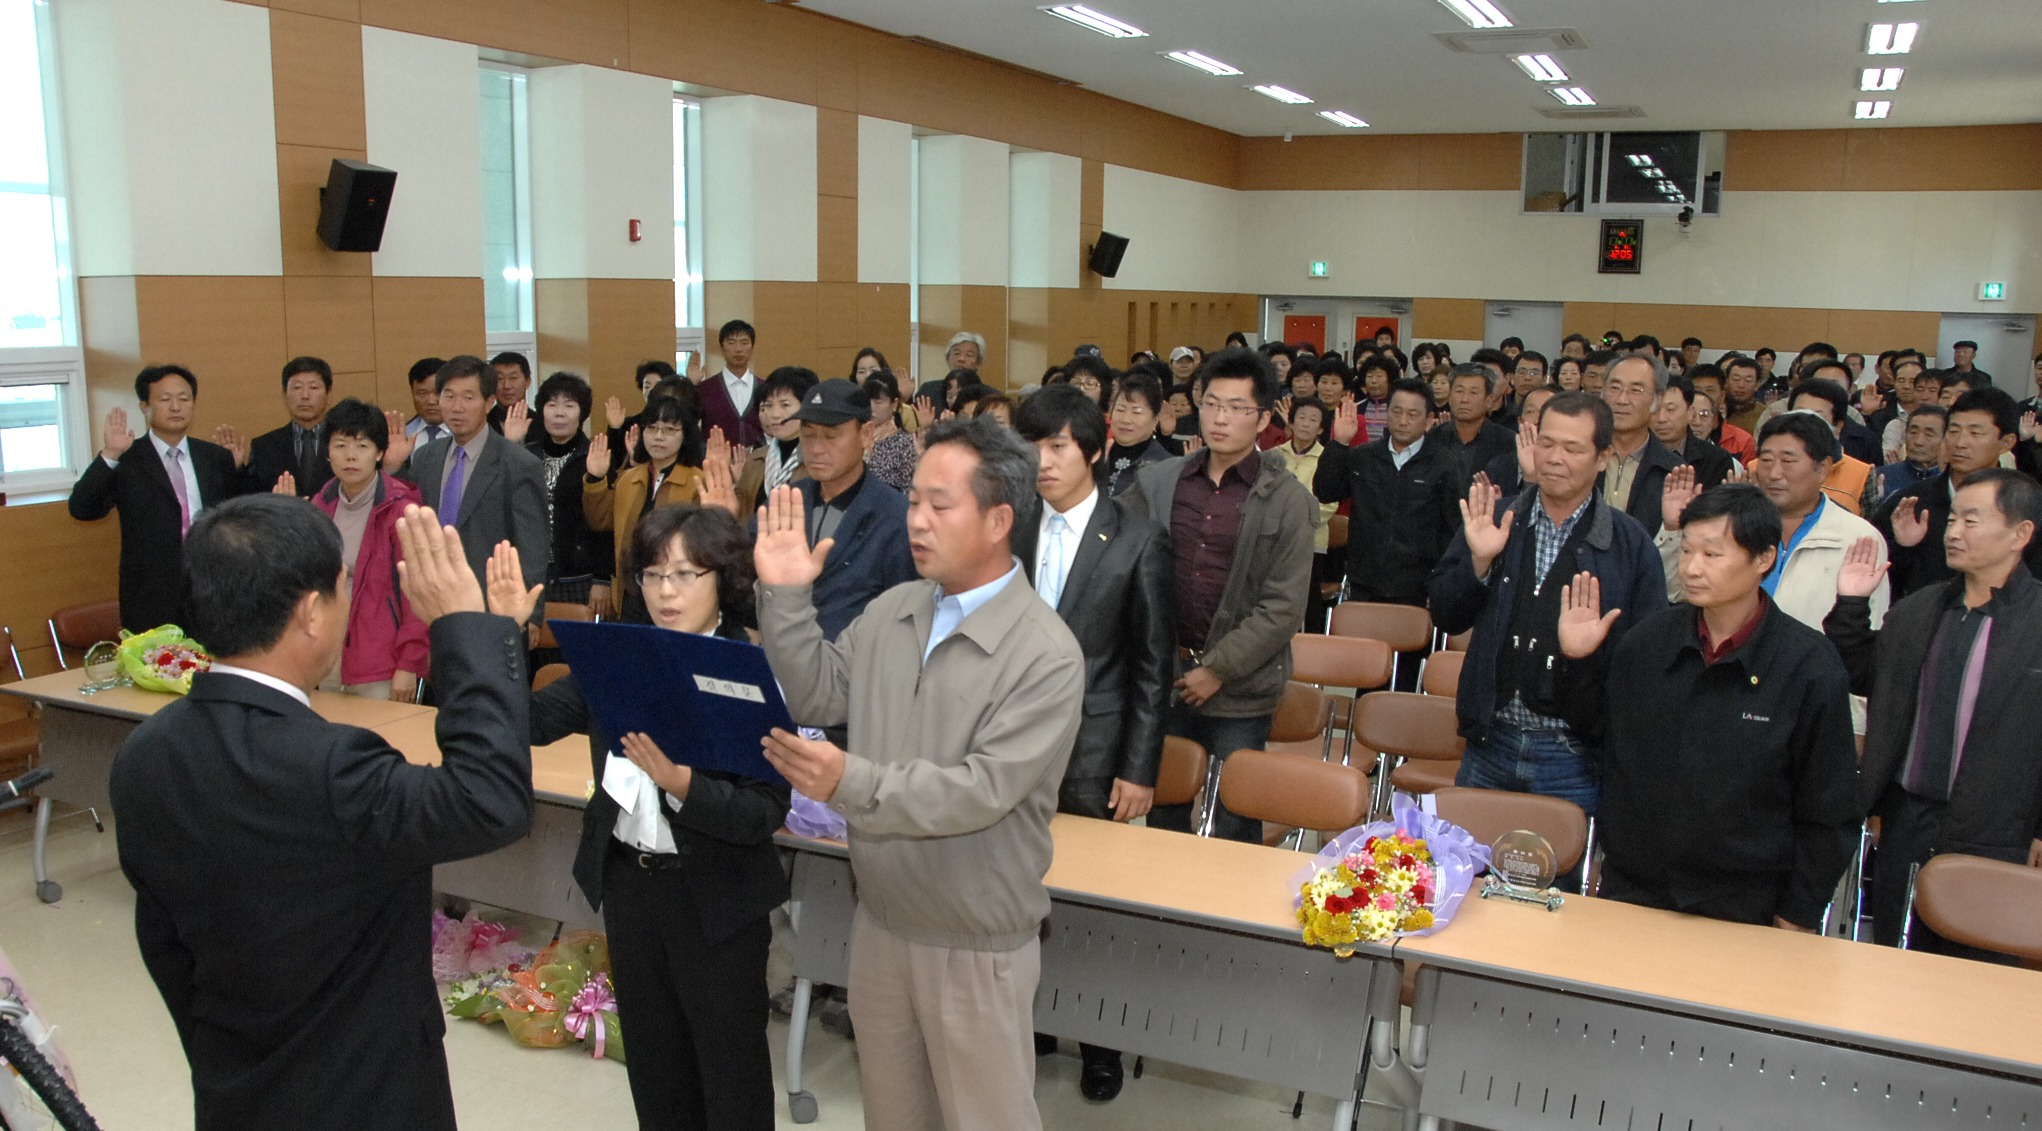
x=1477, y=13
x=1868, y=110
x=1891, y=39
x=1342, y=118
x=1572, y=95
x=1096, y=21
x=1203, y=62
x=1881, y=78
x=1281, y=94
x=1541, y=67
x=1638, y=159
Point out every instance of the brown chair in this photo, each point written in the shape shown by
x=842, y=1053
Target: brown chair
x=1405, y=628
x=1336, y=533
x=1405, y=725
x=1346, y=662
x=560, y=610
x=1300, y=715
x=1181, y=774
x=1298, y=793
x=20, y=739
x=1989, y=904
x=1459, y=642
x=74, y=629
x=1489, y=813
x=1443, y=673
x=547, y=675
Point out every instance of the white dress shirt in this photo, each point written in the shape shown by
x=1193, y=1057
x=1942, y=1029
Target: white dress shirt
x=739, y=388
x=1400, y=458
x=952, y=608
x=1059, y=571
x=638, y=824
x=417, y=424
x=192, y=501
x=265, y=679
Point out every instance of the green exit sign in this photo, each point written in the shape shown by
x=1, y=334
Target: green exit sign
x=1992, y=292
x=1318, y=269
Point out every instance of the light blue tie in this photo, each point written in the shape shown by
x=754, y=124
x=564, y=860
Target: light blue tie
x=1052, y=584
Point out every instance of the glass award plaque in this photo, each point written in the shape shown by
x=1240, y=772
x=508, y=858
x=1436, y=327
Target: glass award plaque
x=1522, y=866
x=103, y=669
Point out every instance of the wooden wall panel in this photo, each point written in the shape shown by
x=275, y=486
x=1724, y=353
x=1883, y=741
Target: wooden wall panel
x=578, y=31
x=736, y=45
x=883, y=322
x=560, y=313
x=331, y=317
x=316, y=66
x=422, y=317
x=331, y=9
x=52, y=560
x=836, y=322
x=1749, y=327
x=229, y=331
x=1385, y=161
x=836, y=239
x=1439, y=319
x=1932, y=158
x=301, y=173
x=629, y=320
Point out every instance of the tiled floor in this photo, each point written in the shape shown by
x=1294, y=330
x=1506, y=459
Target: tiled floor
x=78, y=957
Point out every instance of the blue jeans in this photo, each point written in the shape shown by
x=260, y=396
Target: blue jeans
x=1220, y=737
x=1549, y=762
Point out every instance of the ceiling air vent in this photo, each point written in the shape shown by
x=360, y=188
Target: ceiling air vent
x=1513, y=40
x=1576, y=112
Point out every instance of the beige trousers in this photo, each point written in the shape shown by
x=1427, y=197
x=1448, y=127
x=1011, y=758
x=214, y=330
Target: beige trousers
x=945, y=1036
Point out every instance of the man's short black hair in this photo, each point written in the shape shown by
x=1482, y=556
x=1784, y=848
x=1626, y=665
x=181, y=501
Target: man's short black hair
x=299, y=365
x=1764, y=351
x=1684, y=387
x=1754, y=520
x=1686, y=342
x=1094, y=366
x=733, y=328
x=1571, y=339
x=2005, y=413
x=247, y=564
x=1239, y=364
x=1817, y=439
x=467, y=365
x=795, y=379
x=1138, y=382
x=1604, y=358
x=1966, y=344
x=2018, y=497
x=571, y=386
x=1412, y=385
x=1271, y=349
x=425, y=369
x=1930, y=408
x=1534, y=355
x=1057, y=407
x=665, y=369
x=1969, y=378
x=1509, y=342
x=155, y=373
x=1578, y=403
x=1473, y=369
x=1236, y=338
x=1704, y=369
x=1497, y=358
x=512, y=357
x=1817, y=349
x=361, y=421
x=1807, y=372
x=1825, y=390
x=1736, y=363
x=1646, y=342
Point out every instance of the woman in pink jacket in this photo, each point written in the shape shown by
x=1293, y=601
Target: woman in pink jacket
x=386, y=642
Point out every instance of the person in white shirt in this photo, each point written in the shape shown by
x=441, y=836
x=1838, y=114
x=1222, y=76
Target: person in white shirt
x=425, y=403
x=730, y=399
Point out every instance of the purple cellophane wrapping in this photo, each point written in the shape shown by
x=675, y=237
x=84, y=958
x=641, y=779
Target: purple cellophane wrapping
x=811, y=818
x=1456, y=858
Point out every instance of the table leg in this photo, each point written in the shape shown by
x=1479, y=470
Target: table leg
x=46, y=889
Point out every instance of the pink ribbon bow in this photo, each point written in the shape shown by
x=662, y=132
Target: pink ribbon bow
x=586, y=1011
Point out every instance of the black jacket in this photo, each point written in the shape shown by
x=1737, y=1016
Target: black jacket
x=1116, y=471
x=1996, y=805
x=1711, y=463
x=282, y=868
x=1119, y=601
x=723, y=831
x=1490, y=441
x=577, y=551
x=152, y=531
x=1921, y=565
x=870, y=556
x=1861, y=443
x=1400, y=523
x=1648, y=485
x=1738, y=777
x=275, y=452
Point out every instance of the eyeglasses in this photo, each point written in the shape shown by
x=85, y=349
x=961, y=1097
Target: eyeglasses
x=1212, y=407
x=1705, y=413
x=664, y=431
x=678, y=579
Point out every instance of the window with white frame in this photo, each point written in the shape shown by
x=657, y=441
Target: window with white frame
x=42, y=411
x=506, y=200
x=687, y=230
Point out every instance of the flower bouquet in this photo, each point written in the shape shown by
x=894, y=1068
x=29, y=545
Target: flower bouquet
x=559, y=996
x=162, y=659
x=1406, y=876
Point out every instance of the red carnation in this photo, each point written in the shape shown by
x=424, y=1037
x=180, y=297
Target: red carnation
x=1370, y=878
x=1407, y=861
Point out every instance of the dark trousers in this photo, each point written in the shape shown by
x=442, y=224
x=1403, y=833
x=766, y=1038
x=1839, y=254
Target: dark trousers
x=694, y=1012
x=1326, y=567
x=1220, y=737
x=1909, y=827
x=1749, y=903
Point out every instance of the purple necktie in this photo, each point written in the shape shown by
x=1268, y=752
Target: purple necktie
x=183, y=497
x=450, y=496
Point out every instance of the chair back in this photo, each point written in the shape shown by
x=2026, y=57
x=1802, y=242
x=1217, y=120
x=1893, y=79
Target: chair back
x=1302, y=793
x=1984, y=903
x=1182, y=772
x=1443, y=673
x=547, y=675
x=1336, y=532
x=1489, y=813
x=13, y=653
x=1408, y=725
x=1459, y=641
x=1300, y=715
x=560, y=610
x=1340, y=661
x=1405, y=628
x=74, y=629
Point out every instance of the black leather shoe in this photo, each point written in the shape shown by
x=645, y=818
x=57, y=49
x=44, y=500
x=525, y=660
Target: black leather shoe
x=1101, y=1079
x=1045, y=1045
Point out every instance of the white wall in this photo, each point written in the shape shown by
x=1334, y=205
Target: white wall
x=1042, y=230
x=885, y=159
x=964, y=220
x=758, y=189
x=1181, y=234
x=602, y=156
x=422, y=106
x=170, y=137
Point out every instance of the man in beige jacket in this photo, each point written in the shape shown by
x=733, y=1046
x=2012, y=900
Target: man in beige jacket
x=963, y=693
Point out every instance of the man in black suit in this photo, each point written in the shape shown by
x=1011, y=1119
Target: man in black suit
x=282, y=864
x=159, y=487
x=297, y=447
x=513, y=382
x=488, y=488
x=1105, y=567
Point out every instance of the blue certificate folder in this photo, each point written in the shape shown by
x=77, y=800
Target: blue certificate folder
x=706, y=701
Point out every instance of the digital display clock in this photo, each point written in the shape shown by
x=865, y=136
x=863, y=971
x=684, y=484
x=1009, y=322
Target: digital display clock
x=1623, y=247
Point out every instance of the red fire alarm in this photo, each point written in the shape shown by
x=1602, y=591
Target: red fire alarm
x=635, y=236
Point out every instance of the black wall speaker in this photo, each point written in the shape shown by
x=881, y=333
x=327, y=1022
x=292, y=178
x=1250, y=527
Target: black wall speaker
x=1106, y=254
x=354, y=204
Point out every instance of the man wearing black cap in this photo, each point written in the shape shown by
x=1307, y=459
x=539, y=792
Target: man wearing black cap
x=866, y=518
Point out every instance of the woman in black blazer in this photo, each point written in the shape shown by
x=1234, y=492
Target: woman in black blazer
x=684, y=879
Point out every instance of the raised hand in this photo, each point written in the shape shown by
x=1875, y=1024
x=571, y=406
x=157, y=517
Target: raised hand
x=229, y=437
x=517, y=420
x=1681, y=489
x=287, y=484
x=716, y=449
x=925, y=414
x=2029, y=429
x=1346, y=420
x=1166, y=419
x=1486, y=536
x=782, y=554
x=434, y=572
x=1862, y=571
x=1739, y=473
x=1527, y=448
x=115, y=440
x=1871, y=400
x=400, y=444
x=630, y=445
x=1910, y=525
x=1283, y=411
x=613, y=410
x=598, y=459
x=1193, y=443
x=719, y=483
x=1583, y=624
x=697, y=365
x=508, y=596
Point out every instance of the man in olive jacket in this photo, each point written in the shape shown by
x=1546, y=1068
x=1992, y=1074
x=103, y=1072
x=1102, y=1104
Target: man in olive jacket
x=1241, y=547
